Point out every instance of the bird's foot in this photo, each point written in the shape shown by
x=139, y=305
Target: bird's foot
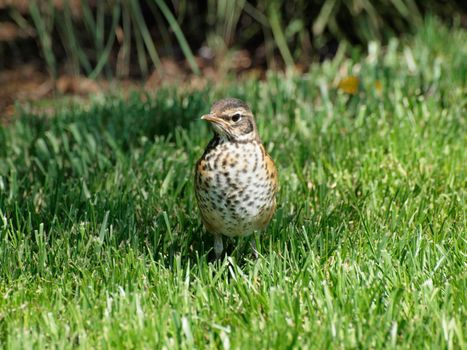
x=218, y=246
x=254, y=251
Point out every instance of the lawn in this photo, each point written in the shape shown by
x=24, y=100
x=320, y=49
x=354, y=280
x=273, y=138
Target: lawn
x=101, y=244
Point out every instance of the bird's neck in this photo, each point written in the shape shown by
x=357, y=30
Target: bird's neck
x=224, y=138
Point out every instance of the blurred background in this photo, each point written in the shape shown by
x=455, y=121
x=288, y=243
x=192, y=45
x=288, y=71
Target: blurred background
x=79, y=47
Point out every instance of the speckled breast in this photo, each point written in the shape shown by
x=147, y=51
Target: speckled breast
x=235, y=187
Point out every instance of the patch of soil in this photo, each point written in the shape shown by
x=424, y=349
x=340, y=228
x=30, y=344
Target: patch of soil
x=26, y=84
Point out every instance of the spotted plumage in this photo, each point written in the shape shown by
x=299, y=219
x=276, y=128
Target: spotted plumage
x=236, y=179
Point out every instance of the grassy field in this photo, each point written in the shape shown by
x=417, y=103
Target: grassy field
x=101, y=244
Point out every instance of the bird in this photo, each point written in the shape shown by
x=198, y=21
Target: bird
x=236, y=180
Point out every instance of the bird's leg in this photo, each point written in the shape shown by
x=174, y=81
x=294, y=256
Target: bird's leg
x=218, y=246
x=253, y=247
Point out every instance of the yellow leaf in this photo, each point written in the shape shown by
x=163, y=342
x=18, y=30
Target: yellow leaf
x=378, y=86
x=349, y=84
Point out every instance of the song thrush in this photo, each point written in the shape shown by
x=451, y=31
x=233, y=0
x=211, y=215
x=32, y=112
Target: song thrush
x=235, y=179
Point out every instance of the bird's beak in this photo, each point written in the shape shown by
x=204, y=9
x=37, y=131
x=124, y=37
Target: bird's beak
x=219, y=125
x=212, y=118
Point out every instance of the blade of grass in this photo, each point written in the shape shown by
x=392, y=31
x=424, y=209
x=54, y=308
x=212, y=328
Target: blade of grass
x=163, y=30
x=179, y=34
x=141, y=53
x=281, y=42
x=138, y=21
x=72, y=41
x=124, y=55
x=278, y=33
x=91, y=26
x=44, y=38
x=256, y=14
x=88, y=18
x=228, y=14
x=322, y=21
x=108, y=47
x=19, y=19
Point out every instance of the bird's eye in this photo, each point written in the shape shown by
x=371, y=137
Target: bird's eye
x=236, y=117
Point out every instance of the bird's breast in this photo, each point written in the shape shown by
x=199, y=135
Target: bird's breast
x=235, y=187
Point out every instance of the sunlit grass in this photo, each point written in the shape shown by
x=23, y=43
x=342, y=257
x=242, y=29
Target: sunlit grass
x=101, y=244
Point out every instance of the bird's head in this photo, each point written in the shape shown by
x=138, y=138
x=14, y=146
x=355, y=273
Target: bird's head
x=232, y=119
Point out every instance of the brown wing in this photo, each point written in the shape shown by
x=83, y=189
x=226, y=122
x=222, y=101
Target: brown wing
x=272, y=170
x=273, y=177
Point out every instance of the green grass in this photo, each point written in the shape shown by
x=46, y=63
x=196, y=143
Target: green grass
x=101, y=244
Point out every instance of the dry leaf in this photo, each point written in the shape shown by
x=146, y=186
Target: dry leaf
x=349, y=84
x=378, y=87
